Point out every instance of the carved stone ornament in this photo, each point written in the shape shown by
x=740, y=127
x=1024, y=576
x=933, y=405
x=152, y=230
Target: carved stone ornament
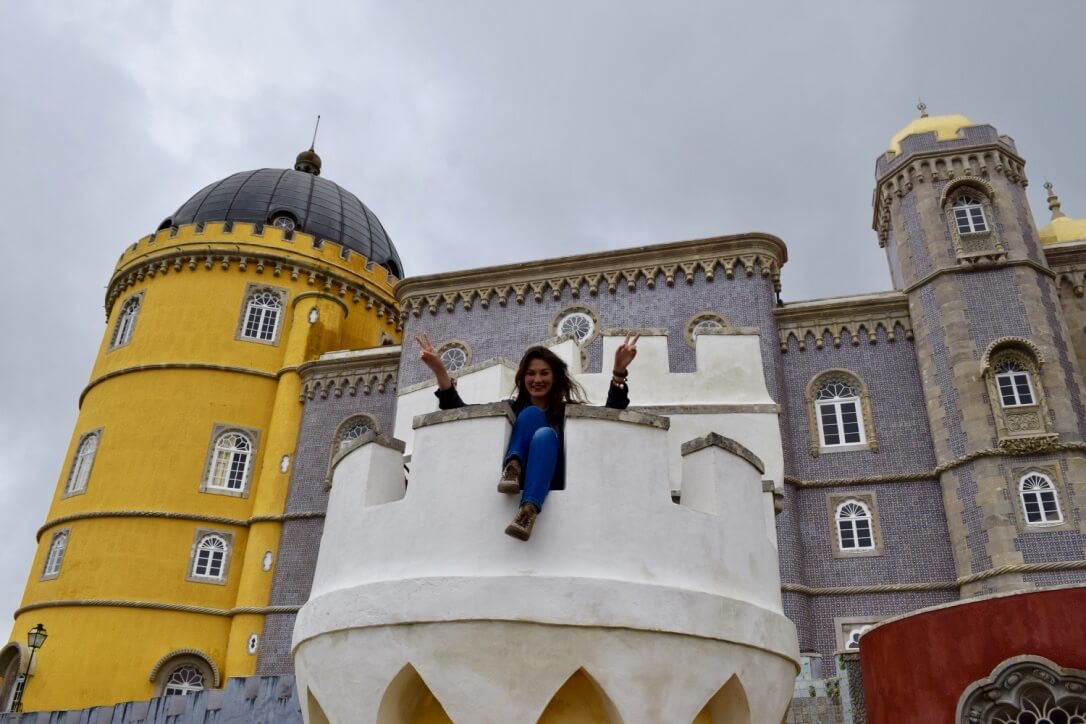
x=1030, y=445
x=1025, y=689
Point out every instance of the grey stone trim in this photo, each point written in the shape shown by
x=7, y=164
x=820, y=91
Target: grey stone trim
x=253, y=288
x=188, y=653
x=321, y=295
x=714, y=439
x=175, y=366
x=199, y=535
x=643, y=331
x=469, y=412
x=156, y=606
x=591, y=412
x=195, y=517
x=1078, y=565
x=770, y=409
x=375, y=437
x=928, y=278
x=218, y=431
x=504, y=361
x=841, y=317
x=339, y=372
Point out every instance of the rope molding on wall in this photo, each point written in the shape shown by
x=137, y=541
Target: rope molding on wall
x=935, y=472
x=937, y=585
x=157, y=606
x=197, y=517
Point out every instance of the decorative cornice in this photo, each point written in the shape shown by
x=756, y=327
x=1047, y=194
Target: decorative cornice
x=605, y=270
x=169, y=515
x=1050, y=567
x=837, y=317
x=157, y=606
x=374, y=369
x=213, y=248
x=1069, y=266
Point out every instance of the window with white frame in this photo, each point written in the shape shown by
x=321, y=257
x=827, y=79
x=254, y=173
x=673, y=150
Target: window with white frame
x=1013, y=381
x=853, y=634
x=231, y=458
x=55, y=557
x=969, y=215
x=126, y=322
x=82, y=464
x=210, y=559
x=1039, y=500
x=854, y=532
x=184, y=680
x=262, y=314
x=837, y=407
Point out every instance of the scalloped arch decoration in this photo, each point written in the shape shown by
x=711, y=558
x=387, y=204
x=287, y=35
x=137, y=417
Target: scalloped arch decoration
x=581, y=697
x=976, y=182
x=1019, y=343
x=216, y=676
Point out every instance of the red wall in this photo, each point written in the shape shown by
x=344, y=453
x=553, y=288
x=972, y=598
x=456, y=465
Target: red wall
x=915, y=669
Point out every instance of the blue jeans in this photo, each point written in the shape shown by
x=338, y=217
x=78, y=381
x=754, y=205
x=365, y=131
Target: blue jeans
x=535, y=444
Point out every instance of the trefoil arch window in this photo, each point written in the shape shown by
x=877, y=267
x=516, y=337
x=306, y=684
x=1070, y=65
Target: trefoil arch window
x=839, y=417
x=126, y=321
x=852, y=639
x=1039, y=500
x=854, y=531
x=55, y=557
x=969, y=214
x=82, y=464
x=262, y=314
x=230, y=463
x=210, y=559
x=1013, y=380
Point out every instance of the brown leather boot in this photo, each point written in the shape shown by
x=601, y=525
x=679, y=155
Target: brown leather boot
x=511, y=477
x=521, y=527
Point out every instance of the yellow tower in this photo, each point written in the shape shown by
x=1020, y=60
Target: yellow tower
x=154, y=566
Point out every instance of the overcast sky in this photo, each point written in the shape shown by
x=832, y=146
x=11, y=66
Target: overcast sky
x=480, y=133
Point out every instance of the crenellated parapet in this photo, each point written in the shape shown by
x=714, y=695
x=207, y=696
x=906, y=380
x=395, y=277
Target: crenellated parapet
x=670, y=609
x=224, y=246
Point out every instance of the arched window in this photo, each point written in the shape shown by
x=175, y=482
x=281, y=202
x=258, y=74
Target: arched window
x=838, y=408
x=210, y=559
x=126, y=322
x=1039, y=500
x=262, y=313
x=230, y=461
x=184, y=680
x=854, y=531
x=55, y=556
x=969, y=215
x=1015, y=387
x=351, y=430
x=81, y=464
x=701, y=322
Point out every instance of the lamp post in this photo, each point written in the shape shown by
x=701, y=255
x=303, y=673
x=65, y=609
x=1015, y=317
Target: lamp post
x=35, y=639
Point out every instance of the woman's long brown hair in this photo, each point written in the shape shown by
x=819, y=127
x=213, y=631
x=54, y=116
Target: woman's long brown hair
x=564, y=390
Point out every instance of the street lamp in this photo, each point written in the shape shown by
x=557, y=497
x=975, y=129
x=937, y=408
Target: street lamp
x=35, y=639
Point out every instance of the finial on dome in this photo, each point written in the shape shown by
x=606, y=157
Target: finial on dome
x=1053, y=201
x=922, y=107
x=308, y=161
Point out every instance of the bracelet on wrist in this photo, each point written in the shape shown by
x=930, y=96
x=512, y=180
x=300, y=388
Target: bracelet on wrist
x=623, y=374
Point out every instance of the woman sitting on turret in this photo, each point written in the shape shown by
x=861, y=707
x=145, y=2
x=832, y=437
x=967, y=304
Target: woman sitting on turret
x=535, y=459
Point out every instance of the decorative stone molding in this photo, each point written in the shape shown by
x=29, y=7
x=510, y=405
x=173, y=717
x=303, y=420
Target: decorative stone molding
x=187, y=654
x=176, y=366
x=1031, y=445
x=157, y=606
x=1009, y=343
x=978, y=163
x=162, y=514
x=858, y=317
x=599, y=271
x=1029, y=685
x=374, y=370
x=870, y=441
x=982, y=247
x=726, y=443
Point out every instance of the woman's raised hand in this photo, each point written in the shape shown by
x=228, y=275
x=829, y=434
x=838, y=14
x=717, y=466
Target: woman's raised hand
x=626, y=352
x=429, y=357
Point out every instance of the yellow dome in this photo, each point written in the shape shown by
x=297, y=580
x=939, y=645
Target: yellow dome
x=1063, y=229
x=945, y=128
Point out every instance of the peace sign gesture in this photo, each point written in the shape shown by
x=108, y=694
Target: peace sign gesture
x=625, y=353
x=429, y=357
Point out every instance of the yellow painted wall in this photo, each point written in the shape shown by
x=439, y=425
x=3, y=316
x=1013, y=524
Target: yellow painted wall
x=156, y=428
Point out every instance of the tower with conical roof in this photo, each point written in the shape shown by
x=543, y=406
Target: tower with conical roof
x=1002, y=383
x=156, y=561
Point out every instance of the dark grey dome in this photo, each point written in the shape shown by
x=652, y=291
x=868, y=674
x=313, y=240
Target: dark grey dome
x=297, y=200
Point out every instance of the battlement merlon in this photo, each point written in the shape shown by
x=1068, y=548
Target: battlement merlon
x=726, y=393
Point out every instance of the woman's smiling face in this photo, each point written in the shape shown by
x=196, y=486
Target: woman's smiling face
x=538, y=378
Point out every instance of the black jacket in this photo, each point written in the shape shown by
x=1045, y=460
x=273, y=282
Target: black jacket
x=618, y=398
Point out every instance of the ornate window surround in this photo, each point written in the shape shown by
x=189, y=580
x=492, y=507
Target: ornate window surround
x=338, y=439
x=969, y=246
x=870, y=440
x=53, y=562
x=554, y=329
x=200, y=535
x=868, y=500
x=845, y=626
x=1016, y=685
x=80, y=470
x=1052, y=472
x=217, y=432
x=1018, y=426
x=172, y=661
x=453, y=344
x=125, y=325
x=707, y=315
x=252, y=290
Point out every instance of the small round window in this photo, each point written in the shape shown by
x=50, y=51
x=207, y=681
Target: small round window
x=285, y=222
x=579, y=324
x=454, y=356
